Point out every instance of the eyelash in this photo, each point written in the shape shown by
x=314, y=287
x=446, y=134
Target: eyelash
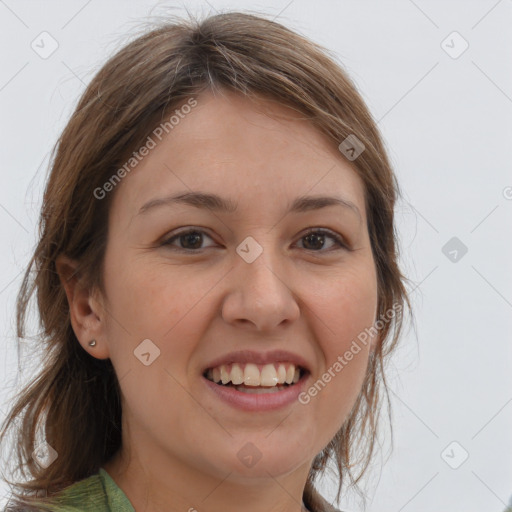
x=337, y=238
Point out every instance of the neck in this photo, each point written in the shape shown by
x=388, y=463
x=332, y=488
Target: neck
x=173, y=487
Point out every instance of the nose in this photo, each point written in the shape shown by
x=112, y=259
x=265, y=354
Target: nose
x=261, y=297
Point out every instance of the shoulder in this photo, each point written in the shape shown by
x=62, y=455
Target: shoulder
x=83, y=496
x=116, y=498
x=86, y=495
x=97, y=493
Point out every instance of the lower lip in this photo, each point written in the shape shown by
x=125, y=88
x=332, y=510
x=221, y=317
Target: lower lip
x=258, y=401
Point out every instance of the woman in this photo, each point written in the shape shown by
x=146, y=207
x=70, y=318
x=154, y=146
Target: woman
x=217, y=280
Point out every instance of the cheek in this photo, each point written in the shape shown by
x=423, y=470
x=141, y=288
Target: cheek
x=165, y=304
x=154, y=299
x=345, y=312
x=345, y=308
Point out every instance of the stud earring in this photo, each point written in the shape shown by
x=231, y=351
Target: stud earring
x=92, y=343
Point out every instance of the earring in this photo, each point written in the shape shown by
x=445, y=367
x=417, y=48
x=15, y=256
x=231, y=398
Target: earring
x=92, y=343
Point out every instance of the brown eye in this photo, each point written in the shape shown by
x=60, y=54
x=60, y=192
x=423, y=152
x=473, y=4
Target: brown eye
x=190, y=240
x=315, y=240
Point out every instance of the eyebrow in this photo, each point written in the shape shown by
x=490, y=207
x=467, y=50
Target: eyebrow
x=219, y=204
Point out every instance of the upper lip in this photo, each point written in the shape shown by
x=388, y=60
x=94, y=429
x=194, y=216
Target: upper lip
x=250, y=356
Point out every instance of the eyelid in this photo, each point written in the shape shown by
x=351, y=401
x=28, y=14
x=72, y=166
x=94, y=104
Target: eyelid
x=337, y=237
x=184, y=231
x=340, y=240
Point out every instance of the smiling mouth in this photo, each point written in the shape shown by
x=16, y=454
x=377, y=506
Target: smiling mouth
x=256, y=378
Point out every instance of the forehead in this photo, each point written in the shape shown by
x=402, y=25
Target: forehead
x=257, y=153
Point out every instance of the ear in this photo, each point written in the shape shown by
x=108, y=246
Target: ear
x=86, y=313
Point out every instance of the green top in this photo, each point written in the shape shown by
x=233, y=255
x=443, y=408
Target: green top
x=97, y=493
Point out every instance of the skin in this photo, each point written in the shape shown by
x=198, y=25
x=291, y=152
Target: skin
x=179, y=444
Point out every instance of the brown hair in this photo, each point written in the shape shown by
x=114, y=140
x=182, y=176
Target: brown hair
x=76, y=397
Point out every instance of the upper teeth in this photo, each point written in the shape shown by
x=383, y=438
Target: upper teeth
x=255, y=375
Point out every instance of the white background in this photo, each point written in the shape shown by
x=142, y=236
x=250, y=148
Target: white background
x=447, y=124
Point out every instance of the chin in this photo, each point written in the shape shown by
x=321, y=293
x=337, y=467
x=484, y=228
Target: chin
x=256, y=457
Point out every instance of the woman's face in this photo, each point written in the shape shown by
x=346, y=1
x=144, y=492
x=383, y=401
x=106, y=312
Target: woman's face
x=246, y=283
